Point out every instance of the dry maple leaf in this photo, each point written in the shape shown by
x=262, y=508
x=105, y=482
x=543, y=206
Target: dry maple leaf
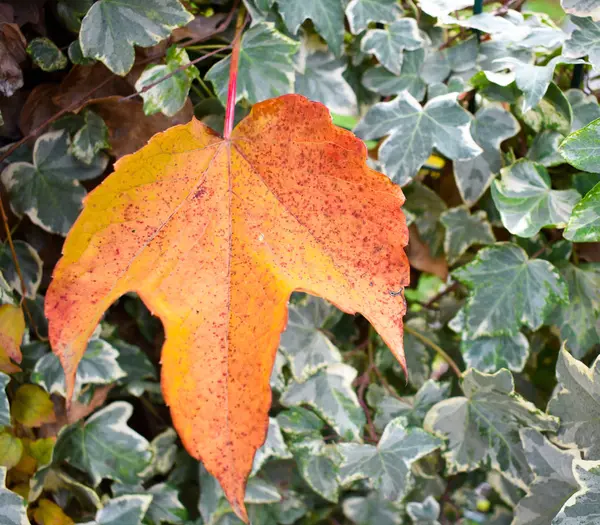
x=214, y=235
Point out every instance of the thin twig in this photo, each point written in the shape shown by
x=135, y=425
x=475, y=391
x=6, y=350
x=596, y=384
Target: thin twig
x=439, y=350
x=444, y=292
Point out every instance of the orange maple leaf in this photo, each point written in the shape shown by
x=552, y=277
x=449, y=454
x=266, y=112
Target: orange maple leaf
x=214, y=235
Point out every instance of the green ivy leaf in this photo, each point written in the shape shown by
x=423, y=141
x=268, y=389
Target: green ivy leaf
x=124, y=510
x=265, y=69
x=582, y=507
x=76, y=55
x=273, y=447
x=318, y=465
x=372, y=509
x=553, y=481
x=90, y=139
x=168, y=96
x=48, y=190
x=330, y=393
x=387, y=466
x=381, y=81
x=4, y=406
x=98, y=366
x=581, y=148
x=304, y=344
x=14, y=507
x=499, y=274
x=165, y=505
x=585, y=108
x=320, y=77
x=164, y=454
x=491, y=126
x=414, y=131
x=389, y=44
x=464, y=230
x=46, y=55
x=104, y=446
x=526, y=201
x=361, y=12
x=584, y=40
x=326, y=15
x=111, y=28
x=30, y=264
x=483, y=426
x=135, y=364
x=299, y=421
x=544, y=148
x=552, y=112
x=576, y=401
x=584, y=224
x=72, y=11
x=425, y=512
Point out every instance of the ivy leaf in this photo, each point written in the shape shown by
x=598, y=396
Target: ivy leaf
x=274, y=447
x=11, y=450
x=585, y=108
x=361, y=12
x=110, y=29
x=441, y=8
x=489, y=354
x=318, y=465
x=553, y=481
x=414, y=131
x=94, y=445
x=219, y=395
x=576, y=401
x=425, y=512
x=581, y=8
x=90, y=139
x=581, y=149
x=123, y=510
x=164, y=454
x=584, y=224
x=553, y=112
x=582, y=507
x=265, y=69
x=47, y=190
x=46, y=54
x=388, y=44
x=329, y=392
x=135, y=364
x=491, y=126
x=387, y=466
x=30, y=264
x=170, y=95
x=4, y=406
x=307, y=348
x=12, y=330
x=372, y=509
x=32, y=407
x=165, y=505
x=544, y=148
x=464, y=230
x=98, y=366
x=584, y=40
x=500, y=273
x=14, y=507
x=526, y=201
x=320, y=78
x=299, y=421
x=326, y=15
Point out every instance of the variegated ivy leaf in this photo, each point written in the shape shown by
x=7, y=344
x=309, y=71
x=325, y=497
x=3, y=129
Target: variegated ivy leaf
x=169, y=95
x=326, y=15
x=4, y=406
x=582, y=507
x=526, y=201
x=582, y=148
x=462, y=57
x=111, y=28
x=553, y=112
x=489, y=354
x=90, y=139
x=464, y=230
x=329, y=392
x=48, y=190
x=259, y=9
x=46, y=55
x=544, y=148
x=104, y=446
x=98, y=366
x=165, y=506
x=124, y=510
x=14, y=507
x=482, y=427
x=265, y=69
x=584, y=40
x=576, y=401
x=372, y=509
x=299, y=421
x=553, y=481
x=585, y=108
x=425, y=512
x=273, y=447
x=136, y=365
x=388, y=44
x=306, y=347
x=499, y=274
x=582, y=8
x=442, y=8
x=412, y=408
x=414, y=131
x=320, y=77
x=361, y=12
x=318, y=465
x=277, y=380
x=387, y=466
x=491, y=126
x=29, y=263
x=164, y=453
x=584, y=223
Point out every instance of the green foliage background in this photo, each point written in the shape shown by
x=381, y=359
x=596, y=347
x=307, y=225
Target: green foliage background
x=491, y=124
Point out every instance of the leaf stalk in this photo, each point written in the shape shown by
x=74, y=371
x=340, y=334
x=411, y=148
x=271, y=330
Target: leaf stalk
x=233, y=72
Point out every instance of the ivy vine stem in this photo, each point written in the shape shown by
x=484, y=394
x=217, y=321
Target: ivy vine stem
x=233, y=72
x=438, y=349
